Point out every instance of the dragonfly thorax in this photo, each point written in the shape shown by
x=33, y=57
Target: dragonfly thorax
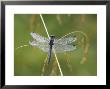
x=52, y=37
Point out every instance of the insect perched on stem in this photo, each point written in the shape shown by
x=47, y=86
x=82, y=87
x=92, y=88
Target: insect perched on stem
x=47, y=45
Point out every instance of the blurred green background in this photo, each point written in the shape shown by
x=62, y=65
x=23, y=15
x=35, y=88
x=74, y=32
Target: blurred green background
x=30, y=61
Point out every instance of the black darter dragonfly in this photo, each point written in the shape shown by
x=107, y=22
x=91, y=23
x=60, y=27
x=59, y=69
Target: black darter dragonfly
x=48, y=44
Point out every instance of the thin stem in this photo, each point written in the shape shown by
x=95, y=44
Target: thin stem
x=53, y=49
x=44, y=25
x=76, y=32
x=44, y=66
x=22, y=46
x=58, y=62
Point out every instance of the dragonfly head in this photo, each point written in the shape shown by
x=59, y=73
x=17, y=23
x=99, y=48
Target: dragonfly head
x=52, y=36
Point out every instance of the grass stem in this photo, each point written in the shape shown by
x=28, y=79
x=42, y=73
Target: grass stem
x=53, y=49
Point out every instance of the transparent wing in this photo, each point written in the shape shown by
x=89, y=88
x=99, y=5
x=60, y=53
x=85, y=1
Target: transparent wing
x=63, y=44
x=65, y=40
x=59, y=48
x=39, y=38
x=44, y=46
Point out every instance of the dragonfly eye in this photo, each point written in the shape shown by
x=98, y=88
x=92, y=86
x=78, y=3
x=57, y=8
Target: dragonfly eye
x=52, y=36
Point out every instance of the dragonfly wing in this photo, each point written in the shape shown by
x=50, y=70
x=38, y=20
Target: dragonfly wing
x=39, y=38
x=59, y=48
x=66, y=40
x=42, y=45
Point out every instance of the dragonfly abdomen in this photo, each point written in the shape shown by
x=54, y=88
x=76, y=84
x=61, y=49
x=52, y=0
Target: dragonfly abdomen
x=51, y=43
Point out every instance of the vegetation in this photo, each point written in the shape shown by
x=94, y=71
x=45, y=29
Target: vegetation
x=32, y=61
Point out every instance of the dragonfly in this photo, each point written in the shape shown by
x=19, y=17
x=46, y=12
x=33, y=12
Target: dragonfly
x=47, y=45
